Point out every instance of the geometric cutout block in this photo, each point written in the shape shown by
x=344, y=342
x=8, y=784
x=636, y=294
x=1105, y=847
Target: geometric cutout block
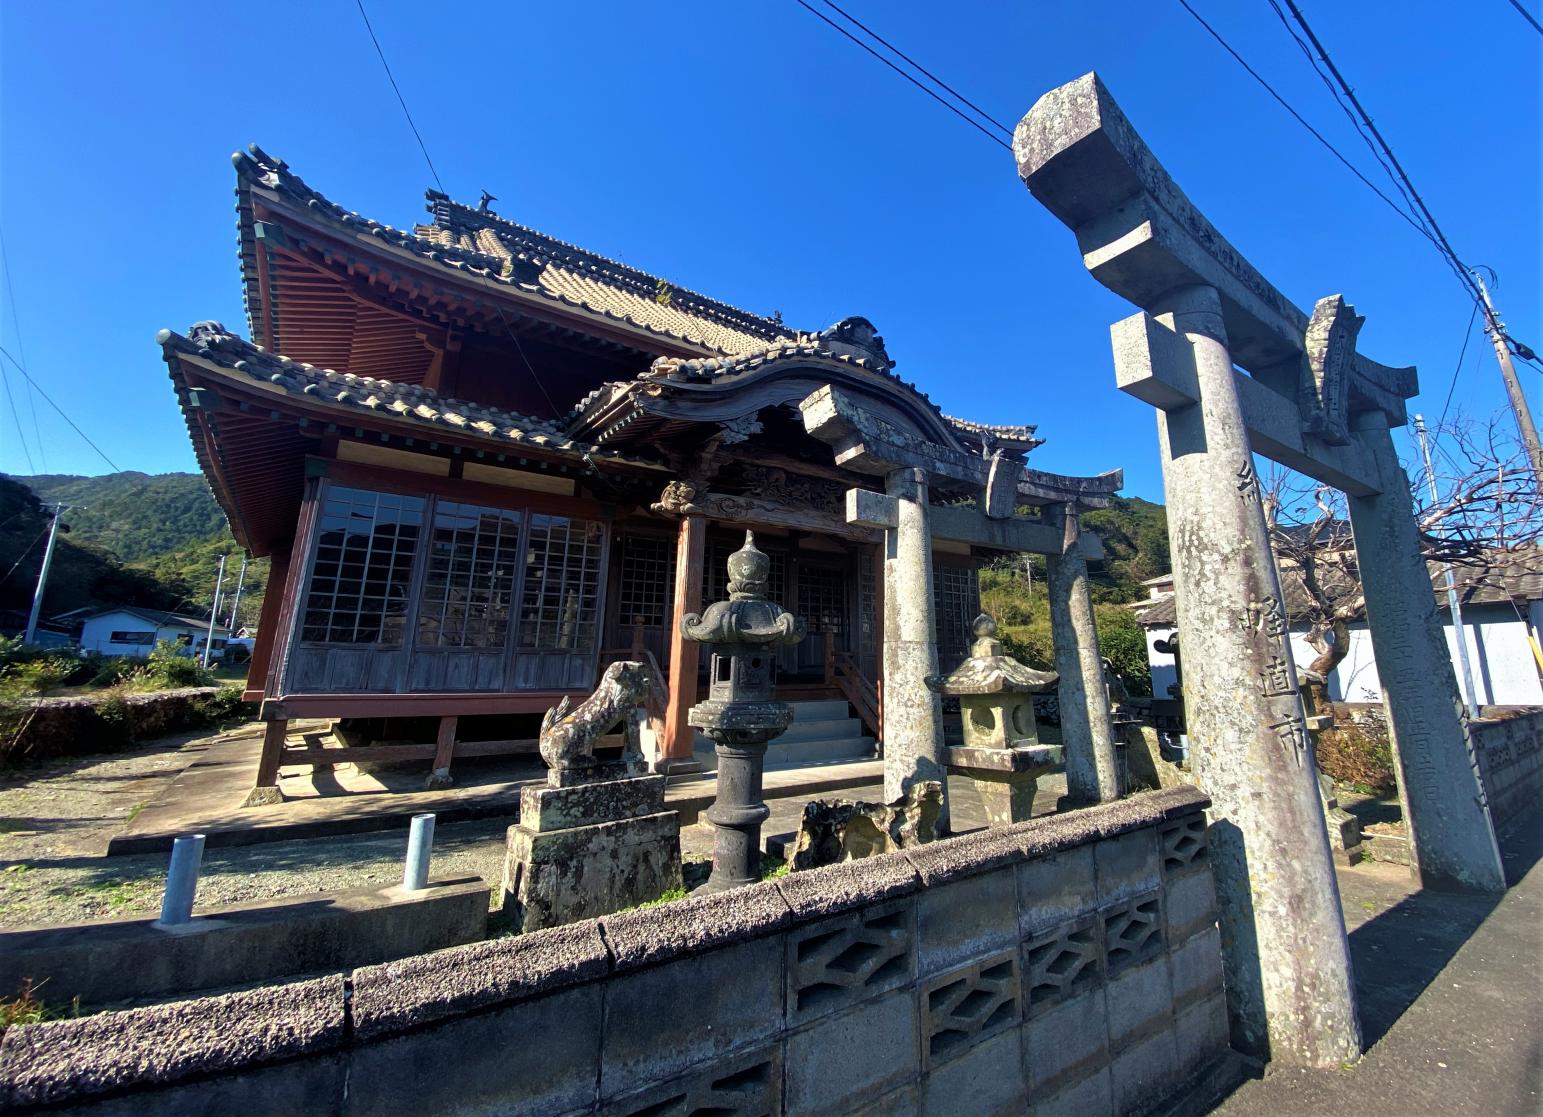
x=752, y=1091
x=1062, y=964
x=966, y=1006
x=1184, y=842
x=845, y=963
x=1133, y=931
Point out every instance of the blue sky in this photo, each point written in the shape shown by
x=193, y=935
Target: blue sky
x=747, y=151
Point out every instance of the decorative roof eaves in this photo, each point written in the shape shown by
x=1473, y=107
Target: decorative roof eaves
x=383, y=399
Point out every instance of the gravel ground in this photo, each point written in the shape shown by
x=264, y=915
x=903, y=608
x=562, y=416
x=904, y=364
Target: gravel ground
x=56, y=819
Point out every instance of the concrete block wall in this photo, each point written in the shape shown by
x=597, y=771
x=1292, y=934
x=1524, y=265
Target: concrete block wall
x=1065, y=965
x=1510, y=756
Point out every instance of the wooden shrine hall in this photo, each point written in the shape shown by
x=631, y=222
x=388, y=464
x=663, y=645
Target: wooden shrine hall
x=485, y=463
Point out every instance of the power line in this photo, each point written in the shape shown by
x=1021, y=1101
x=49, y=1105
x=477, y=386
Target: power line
x=1528, y=16
x=931, y=93
x=400, y=99
x=6, y=353
x=1424, y=210
x=1467, y=337
x=935, y=79
x=10, y=290
x=27, y=550
x=1351, y=167
x=1338, y=99
x=16, y=418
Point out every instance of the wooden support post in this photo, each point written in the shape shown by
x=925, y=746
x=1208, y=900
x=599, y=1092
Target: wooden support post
x=266, y=789
x=830, y=657
x=637, y=638
x=677, y=750
x=444, y=751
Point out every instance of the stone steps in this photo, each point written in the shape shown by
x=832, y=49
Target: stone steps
x=823, y=731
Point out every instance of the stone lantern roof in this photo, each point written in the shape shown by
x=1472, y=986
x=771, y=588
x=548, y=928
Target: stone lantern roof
x=747, y=617
x=989, y=670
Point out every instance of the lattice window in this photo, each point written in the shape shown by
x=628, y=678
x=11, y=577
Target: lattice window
x=956, y=603
x=821, y=599
x=469, y=584
x=647, y=588
x=562, y=584
x=361, y=576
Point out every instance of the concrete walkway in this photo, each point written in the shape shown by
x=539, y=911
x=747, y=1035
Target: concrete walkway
x=1451, y=998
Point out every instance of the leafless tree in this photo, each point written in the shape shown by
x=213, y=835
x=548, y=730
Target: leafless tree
x=1488, y=513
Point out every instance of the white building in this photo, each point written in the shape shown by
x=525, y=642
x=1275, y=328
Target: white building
x=1502, y=607
x=135, y=632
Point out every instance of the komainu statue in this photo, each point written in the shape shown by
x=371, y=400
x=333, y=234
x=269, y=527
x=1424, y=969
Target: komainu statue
x=569, y=733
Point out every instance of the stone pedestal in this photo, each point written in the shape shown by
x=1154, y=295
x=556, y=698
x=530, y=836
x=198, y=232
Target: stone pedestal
x=589, y=849
x=1005, y=778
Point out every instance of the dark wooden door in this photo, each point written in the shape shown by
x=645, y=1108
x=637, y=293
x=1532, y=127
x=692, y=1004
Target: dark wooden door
x=822, y=605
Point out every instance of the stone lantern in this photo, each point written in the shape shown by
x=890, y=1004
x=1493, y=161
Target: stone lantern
x=741, y=713
x=1001, y=751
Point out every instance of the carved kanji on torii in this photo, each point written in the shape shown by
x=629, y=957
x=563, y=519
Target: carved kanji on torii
x=1314, y=404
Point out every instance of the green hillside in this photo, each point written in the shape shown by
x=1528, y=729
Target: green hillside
x=133, y=539
x=134, y=515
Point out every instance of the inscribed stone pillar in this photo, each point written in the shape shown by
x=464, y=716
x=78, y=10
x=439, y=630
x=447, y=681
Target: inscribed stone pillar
x=1087, y=733
x=1287, y=962
x=913, y=715
x=1451, y=835
x=677, y=750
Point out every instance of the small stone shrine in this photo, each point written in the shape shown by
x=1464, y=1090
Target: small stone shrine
x=1001, y=753
x=596, y=838
x=741, y=713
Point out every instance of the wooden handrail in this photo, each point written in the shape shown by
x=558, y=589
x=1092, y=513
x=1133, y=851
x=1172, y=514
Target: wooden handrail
x=844, y=673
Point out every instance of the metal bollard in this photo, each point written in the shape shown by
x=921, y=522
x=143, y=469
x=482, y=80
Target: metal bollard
x=420, y=843
x=187, y=854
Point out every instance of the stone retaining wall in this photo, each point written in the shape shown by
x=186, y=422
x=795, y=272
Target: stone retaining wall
x=1510, y=754
x=1070, y=964
x=90, y=723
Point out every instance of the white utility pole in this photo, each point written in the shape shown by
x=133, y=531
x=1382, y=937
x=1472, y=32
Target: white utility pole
x=236, y=603
x=1453, y=604
x=214, y=612
x=37, y=595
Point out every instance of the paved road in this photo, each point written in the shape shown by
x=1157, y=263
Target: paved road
x=1451, y=997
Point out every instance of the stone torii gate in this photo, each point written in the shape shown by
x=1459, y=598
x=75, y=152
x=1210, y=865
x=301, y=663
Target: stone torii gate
x=1314, y=404
x=913, y=720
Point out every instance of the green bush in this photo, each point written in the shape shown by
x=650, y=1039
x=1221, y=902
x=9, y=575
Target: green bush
x=171, y=665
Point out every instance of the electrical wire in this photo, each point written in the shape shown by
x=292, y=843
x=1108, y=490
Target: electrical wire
x=1467, y=337
x=6, y=353
x=1528, y=16
x=10, y=291
x=400, y=99
x=918, y=66
x=1424, y=210
x=1300, y=119
x=929, y=92
x=25, y=552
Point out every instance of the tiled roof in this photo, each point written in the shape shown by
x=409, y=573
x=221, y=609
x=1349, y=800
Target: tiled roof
x=803, y=349
x=585, y=278
x=383, y=399
x=483, y=244
x=1502, y=576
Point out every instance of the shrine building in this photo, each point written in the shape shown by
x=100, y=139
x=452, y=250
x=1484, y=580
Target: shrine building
x=485, y=463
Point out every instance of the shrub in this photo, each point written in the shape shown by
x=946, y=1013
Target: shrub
x=1356, y=755
x=171, y=665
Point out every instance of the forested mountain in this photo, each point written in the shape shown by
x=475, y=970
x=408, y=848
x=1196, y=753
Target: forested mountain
x=133, y=539
x=134, y=515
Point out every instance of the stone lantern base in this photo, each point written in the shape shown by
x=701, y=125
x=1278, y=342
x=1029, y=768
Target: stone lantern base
x=1005, y=778
x=589, y=849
